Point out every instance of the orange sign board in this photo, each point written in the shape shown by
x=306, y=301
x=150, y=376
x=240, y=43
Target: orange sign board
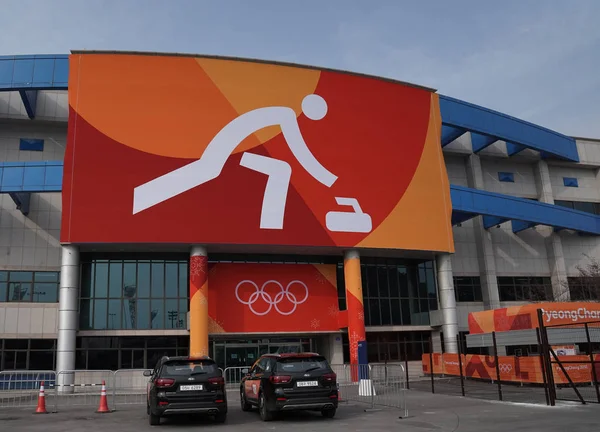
x=271, y=298
x=183, y=149
x=525, y=317
x=512, y=369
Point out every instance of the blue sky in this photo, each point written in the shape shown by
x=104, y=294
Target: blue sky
x=536, y=59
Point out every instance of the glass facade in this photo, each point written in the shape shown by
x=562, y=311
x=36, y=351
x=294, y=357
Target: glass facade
x=28, y=286
x=393, y=346
x=150, y=293
x=584, y=288
x=467, y=289
x=395, y=292
x=525, y=288
x=127, y=352
x=27, y=354
x=133, y=294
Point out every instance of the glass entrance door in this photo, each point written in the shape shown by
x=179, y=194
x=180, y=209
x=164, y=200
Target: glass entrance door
x=240, y=355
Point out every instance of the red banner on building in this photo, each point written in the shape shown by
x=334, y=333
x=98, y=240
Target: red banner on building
x=271, y=298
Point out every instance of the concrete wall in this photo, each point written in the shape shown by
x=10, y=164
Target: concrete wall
x=28, y=320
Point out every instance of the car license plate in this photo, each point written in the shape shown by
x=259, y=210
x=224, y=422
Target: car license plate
x=307, y=383
x=190, y=387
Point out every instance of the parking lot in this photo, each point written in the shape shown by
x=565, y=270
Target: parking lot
x=426, y=412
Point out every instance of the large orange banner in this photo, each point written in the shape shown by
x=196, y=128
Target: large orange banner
x=271, y=298
x=526, y=316
x=184, y=149
x=512, y=369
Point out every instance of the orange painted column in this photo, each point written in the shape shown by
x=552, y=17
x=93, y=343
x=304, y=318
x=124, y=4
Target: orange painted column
x=198, y=302
x=354, y=303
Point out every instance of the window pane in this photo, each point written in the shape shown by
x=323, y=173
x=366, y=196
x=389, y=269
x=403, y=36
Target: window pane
x=101, y=281
x=114, y=314
x=87, y=280
x=374, y=312
x=382, y=279
x=143, y=314
x=507, y=293
x=183, y=279
x=43, y=344
x=372, y=290
x=116, y=280
x=129, y=313
x=386, y=316
x=431, y=290
x=587, y=207
x=158, y=279
x=129, y=275
x=16, y=344
x=396, y=312
x=85, y=315
x=46, y=276
x=19, y=292
x=143, y=280
x=3, y=291
x=100, y=313
x=183, y=310
x=45, y=292
x=41, y=360
x=172, y=313
x=393, y=281
x=103, y=359
x=157, y=314
x=3, y=276
x=405, y=306
x=19, y=276
x=403, y=281
x=171, y=279
x=477, y=290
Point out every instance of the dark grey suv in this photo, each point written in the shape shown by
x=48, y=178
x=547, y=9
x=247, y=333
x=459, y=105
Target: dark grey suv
x=184, y=385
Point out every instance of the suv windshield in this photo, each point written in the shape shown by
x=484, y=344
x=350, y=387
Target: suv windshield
x=188, y=367
x=301, y=364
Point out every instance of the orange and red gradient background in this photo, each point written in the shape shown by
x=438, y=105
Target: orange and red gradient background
x=525, y=317
x=136, y=117
x=512, y=369
x=319, y=312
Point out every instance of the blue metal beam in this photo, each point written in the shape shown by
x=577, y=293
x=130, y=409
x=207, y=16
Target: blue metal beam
x=450, y=133
x=513, y=149
x=479, y=142
x=478, y=202
x=518, y=226
x=22, y=200
x=463, y=115
x=29, y=98
x=492, y=221
x=460, y=217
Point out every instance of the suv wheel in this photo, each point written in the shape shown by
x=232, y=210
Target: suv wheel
x=329, y=413
x=265, y=414
x=153, y=419
x=221, y=417
x=243, y=402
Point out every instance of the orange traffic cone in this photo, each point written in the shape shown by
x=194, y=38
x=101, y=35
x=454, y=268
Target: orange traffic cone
x=41, y=406
x=103, y=408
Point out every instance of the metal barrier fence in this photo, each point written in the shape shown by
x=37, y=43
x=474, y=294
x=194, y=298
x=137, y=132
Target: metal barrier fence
x=81, y=387
x=21, y=388
x=233, y=376
x=130, y=387
x=376, y=385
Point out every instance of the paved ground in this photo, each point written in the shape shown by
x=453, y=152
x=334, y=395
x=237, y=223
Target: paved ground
x=427, y=412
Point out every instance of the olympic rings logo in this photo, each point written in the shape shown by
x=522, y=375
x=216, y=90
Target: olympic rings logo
x=505, y=368
x=268, y=298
